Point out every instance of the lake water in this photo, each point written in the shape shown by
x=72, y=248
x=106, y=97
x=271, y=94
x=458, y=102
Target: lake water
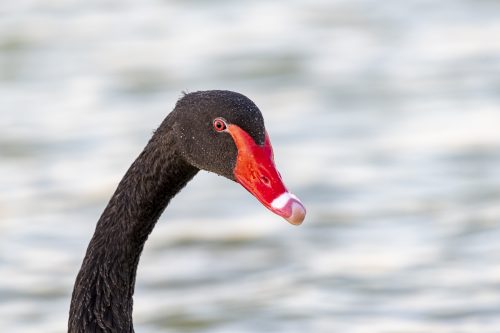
x=385, y=120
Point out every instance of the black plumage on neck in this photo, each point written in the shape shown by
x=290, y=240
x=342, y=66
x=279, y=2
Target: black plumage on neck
x=102, y=296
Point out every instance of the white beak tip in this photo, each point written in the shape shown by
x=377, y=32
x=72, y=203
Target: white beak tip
x=298, y=213
x=289, y=207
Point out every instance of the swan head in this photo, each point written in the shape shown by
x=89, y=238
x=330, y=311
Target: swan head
x=223, y=132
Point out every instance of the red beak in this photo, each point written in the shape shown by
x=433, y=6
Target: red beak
x=255, y=171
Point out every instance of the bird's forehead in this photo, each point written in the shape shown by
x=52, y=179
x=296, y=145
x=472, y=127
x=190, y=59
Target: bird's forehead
x=239, y=110
x=235, y=108
x=250, y=121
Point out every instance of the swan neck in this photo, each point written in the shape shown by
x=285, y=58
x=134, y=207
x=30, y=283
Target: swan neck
x=102, y=296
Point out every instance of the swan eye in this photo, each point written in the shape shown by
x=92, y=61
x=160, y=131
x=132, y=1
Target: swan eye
x=219, y=125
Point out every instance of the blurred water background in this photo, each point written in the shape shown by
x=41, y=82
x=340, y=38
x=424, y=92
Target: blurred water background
x=385, y=119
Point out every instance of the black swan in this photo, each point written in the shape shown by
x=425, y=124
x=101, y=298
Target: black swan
x=218, y=131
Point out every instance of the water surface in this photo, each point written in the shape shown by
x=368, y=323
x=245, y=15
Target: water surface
x=384, y=118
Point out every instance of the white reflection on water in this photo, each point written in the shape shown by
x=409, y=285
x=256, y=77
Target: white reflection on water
x=384, y=117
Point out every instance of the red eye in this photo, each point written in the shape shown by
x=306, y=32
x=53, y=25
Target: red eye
x=219, y=125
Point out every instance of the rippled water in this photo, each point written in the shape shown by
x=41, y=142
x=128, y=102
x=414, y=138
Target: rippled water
x=385, y=119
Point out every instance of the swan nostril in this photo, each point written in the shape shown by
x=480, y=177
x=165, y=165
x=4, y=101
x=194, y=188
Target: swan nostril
x=265, y=180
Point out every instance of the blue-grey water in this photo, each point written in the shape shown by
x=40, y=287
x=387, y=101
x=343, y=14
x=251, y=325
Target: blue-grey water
x=385, y=121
